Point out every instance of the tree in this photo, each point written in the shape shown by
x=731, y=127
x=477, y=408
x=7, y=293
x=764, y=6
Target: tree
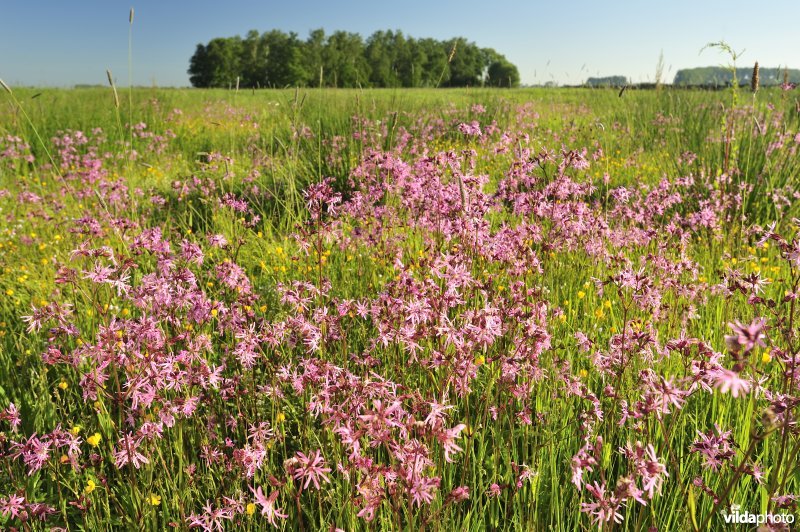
x=284, y=65
x=345, y=62
x=216, y=64
x=387, y=59
x=200, y=67
x=502, y=73
x=467, y=64
x=314, y=58
x=253, y=60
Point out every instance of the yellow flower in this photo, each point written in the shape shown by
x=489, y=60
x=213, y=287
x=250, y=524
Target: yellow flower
x=251, y=508
x=94, y=440
x=581, y=294
x=75, y=430
x=766, y=357
x=214, y=312
x=480, y=360
x=63, y=385
x=9, y=292
x=280, y=417
x=154, y=499
x=90, y=486
x=584, y=373
x=599, y=314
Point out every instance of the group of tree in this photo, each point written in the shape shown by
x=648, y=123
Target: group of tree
x=608, y=81
x=723, y=77
x=344, y=59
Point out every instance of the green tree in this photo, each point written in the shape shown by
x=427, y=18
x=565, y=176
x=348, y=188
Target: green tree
x=502, y=73
x=387, y=59
x=253, y=61
x=314, y=58
x=467, y=65
x=382, y=51
x=285, y=61
x=216, y=64
x=344, y=61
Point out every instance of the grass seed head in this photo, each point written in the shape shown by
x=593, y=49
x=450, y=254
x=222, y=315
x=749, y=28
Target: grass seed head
x=754, y=81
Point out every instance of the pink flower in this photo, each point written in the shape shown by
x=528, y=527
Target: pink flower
x=746, y=337
x=448, y=440
x=311, y=468
x=268, y=505
x=726, y=380
x=605, y=508
x=128, y=452
x=473, y=129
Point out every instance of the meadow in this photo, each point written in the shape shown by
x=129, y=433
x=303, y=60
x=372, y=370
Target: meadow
x=462, y=309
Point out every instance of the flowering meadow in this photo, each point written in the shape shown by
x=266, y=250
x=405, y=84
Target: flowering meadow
x=398, y=310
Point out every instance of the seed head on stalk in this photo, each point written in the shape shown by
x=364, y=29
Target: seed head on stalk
x=754, y=80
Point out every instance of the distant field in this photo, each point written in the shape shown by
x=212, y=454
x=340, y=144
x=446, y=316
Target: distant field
x=450, y=309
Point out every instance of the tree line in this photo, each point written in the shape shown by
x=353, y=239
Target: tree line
x=343, y=59
x=721, y=76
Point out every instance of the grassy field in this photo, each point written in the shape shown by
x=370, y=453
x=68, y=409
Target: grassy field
x=398, y=309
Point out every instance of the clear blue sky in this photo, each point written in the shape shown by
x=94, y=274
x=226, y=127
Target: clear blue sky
x=61, y=43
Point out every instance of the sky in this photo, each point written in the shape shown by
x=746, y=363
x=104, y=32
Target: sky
x=63, y=43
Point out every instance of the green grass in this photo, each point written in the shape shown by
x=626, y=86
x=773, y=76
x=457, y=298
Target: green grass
x=268, y=147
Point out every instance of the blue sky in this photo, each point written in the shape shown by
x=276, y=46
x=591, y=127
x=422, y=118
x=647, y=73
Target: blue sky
x=60, y=43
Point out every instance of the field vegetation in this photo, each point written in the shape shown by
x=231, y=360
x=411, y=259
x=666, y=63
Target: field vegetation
x=461, y=309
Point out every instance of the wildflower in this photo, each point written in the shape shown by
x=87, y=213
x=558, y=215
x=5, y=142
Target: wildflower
x=250, y=509
x=90, y=487
x=128, y=452
x=716, y=447
x=459, y=494
x=473, y=129
x=726, y=380
x=154, y=499
x=605, y=508
x=746, y=337
x=448, y=438
x=311, y=468
x=94, y=440
x=267, y=504
x=423, y=489
x=13, y=505
x=12, y=415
